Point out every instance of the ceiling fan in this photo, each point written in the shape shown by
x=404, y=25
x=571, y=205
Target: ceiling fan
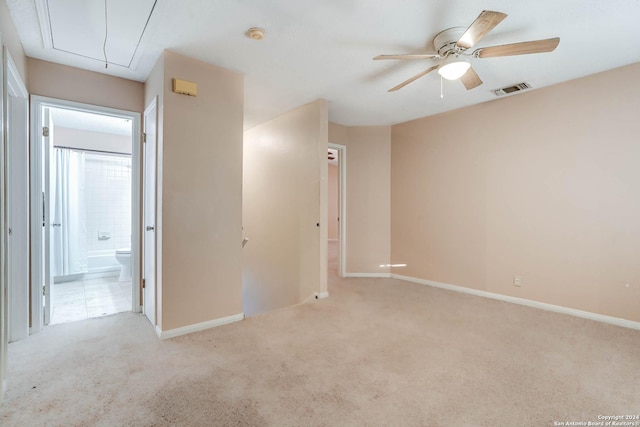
x=452, y=45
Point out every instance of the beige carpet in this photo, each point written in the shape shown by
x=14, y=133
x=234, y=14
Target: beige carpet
x=378, y=352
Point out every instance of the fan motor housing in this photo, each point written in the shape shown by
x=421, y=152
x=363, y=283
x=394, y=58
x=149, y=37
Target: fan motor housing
x=445, y=41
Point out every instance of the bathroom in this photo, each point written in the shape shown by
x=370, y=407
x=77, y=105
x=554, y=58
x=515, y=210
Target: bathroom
x=91, y=185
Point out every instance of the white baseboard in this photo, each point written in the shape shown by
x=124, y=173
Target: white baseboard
x=322, y=295
x=522, y=301
x=171, y=333
x=382, y=275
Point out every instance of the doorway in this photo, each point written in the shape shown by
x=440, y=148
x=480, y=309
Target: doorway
x=85, y=186
x=336, y=209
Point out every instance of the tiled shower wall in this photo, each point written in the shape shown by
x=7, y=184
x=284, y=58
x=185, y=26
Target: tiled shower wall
x=108, y=201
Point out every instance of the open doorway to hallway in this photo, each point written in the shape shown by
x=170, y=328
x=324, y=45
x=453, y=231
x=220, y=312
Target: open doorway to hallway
x=333, y=214
x=336, y=209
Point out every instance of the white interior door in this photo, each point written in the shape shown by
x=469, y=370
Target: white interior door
x=17, y=185
x=49, y=178
x=149, y=213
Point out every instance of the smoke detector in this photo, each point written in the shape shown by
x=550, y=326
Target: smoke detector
x=255, y=33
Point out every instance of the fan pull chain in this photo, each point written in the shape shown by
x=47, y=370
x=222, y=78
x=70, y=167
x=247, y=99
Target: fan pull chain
x=441, y=91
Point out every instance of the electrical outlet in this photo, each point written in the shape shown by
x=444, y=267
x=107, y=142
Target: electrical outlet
x=517, y=281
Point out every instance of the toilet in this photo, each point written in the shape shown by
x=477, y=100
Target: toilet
x=124, y=258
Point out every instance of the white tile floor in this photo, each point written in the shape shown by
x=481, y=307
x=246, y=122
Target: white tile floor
x=90, y=298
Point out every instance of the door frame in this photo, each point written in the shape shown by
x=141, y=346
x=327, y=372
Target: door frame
x=16, y=133
x=37, y=235
x=342, y=208
x=3, y=251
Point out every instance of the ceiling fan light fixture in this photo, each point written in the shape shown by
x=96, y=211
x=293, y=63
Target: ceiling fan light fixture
x=453, y=68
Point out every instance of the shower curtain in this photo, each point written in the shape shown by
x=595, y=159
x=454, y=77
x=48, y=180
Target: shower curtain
x=69, y=232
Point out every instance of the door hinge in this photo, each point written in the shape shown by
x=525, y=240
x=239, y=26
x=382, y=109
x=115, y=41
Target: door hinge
x=144, y=283
x=144, y=137
x=44, y=290
x=45, y=131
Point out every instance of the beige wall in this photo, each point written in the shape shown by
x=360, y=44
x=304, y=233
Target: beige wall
x=11, y=40
x=544, y=184
x=333, y=193
x=284, y=169
x=201, y=192
x=73, y=84
x=368, y=196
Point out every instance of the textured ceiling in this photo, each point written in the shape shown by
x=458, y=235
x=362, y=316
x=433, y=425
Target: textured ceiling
x=323, y=49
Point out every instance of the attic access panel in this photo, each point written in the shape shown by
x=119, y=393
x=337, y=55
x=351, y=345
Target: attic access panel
x=78, y=27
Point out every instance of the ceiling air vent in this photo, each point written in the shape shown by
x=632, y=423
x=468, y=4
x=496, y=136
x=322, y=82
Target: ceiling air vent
x=511, y=89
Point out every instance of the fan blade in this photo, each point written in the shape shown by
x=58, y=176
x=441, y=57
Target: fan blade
x=470, y=79
x=537, y=46
x=408, y=56
x=484, y=23
x=413, y=79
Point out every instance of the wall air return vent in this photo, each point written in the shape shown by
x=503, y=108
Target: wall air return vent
x=512, y=89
